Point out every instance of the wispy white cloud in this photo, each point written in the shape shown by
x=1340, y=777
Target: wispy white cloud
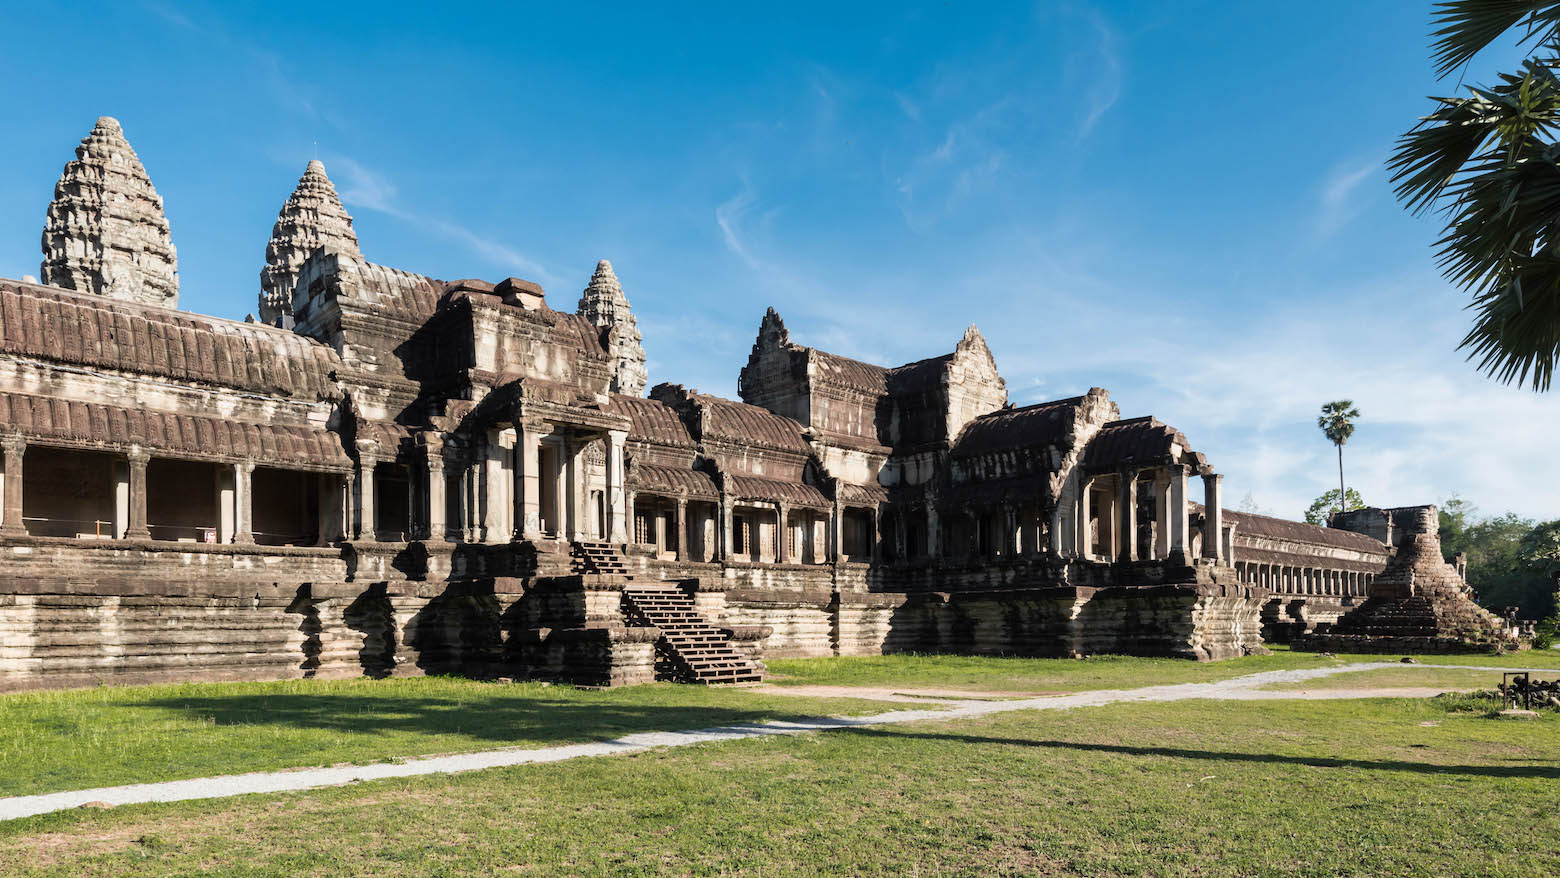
x=171, y=14
x=368, y=189
x=1106, y=74
x=1338, y=203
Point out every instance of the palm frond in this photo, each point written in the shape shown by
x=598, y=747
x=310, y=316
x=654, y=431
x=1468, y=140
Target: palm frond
x=1467, y=27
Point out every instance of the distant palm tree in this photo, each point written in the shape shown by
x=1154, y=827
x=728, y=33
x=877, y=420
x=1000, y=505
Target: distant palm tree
x=1337, y=422
x=1490, y=164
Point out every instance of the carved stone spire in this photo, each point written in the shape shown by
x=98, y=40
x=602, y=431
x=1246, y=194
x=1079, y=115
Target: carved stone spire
x=105, y=232
x=604, y=304
x=312, y=219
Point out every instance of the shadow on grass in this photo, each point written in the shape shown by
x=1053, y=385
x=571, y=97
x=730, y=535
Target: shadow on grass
x=504, y=720
x=1507, y=771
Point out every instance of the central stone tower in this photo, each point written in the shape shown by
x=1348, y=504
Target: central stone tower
x=604, y=304
x=312, y=219
x=105, y=232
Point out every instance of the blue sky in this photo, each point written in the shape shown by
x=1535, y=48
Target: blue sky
x=1182, y=203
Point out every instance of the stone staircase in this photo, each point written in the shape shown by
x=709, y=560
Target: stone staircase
x=598, y=558
x=690, y=649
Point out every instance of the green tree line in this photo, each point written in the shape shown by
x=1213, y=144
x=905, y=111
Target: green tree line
x=1512, y=560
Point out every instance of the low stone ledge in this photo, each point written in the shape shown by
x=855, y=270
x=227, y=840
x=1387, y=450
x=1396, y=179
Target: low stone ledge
x=881, y=600
x=813, y=597
x=99, y=587
x=592, y=633
x=747, y=633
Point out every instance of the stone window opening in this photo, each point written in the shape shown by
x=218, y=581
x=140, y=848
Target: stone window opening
x=70, y=493
x=286, y=507
x=392, y=502
x=857, y=534
x=184, y=500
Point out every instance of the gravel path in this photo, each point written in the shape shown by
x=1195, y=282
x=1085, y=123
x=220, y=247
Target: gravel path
x=1239, y=688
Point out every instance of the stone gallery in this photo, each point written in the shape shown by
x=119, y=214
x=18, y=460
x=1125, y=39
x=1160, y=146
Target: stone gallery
x=383, y=473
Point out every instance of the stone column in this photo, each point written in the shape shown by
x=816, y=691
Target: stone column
x=933, y=532
x=528, y=482
x=433, y=470
x=680, y=522
x=723, y=532
x=121, y=498
x=1213, y=517
x=837, y=535
x=901, y=541
x=244, y=495
x=1053, y=536
x=1179, y=524
x=875, y=535
x=782, y=533
x=1161, y=515
x=363, y=511
x=1126, y=516
x=13, y=447
x=617, y=490
x=227, y=504
x=138, y=458
x=1083, y=530
x=495, y=493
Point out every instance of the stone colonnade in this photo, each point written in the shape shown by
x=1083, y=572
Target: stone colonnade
x=1282, y=579
x=232, y=505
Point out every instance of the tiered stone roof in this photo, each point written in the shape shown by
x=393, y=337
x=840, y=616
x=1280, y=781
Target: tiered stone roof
x=106, y=233
x=605, y=306
x=311, y=219
x=60, y=326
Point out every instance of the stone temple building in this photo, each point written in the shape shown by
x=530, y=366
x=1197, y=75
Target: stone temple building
x=390, y=474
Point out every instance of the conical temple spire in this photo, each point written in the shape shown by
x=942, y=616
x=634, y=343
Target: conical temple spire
x=604, y=304
x=105, y=232
x=312, y=219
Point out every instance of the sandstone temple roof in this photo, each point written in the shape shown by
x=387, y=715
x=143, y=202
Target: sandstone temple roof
x=106, y=233
x=311, y=219
x=61, y=326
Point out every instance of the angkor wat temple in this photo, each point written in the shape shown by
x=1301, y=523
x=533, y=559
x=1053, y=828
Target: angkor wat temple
x=385, y=473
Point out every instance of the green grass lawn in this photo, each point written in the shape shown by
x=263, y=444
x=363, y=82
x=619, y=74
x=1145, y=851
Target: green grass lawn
x=1075, y=675
x=115, y=735
x=81, y=738
x=1196, y=788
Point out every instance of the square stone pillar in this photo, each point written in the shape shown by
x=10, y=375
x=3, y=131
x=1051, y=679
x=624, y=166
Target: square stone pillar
x=901, y=541
x=244, y=497
x=363, y=500
x=227, y=504
x=138, y=458
x=496, y=484
x=1179, y=520
x=875, y=535
x=528, y=482
x=1213, y=517
x=576, y=515
x=1083, y=530
x=723, y=543
x=13, y=447
x=121, y=498
x=782, y=533
x=616, y=494
x=680, y=523
x=1161, y=515
x=837, y=533
x=933, y=533
x=1053, y=535
x=1126, y=516
x=433, y=494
